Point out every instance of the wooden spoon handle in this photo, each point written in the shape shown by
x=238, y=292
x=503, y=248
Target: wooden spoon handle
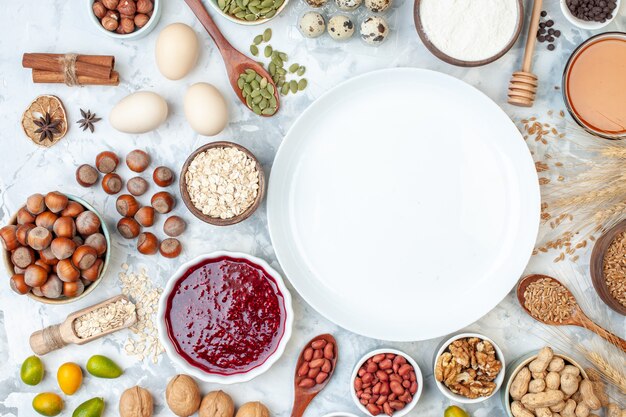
x=203, y=16
x=605, y=334
x=300, y=403
x=532, y=36
x=46, y=340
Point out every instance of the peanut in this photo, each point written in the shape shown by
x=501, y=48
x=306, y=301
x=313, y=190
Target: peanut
x=613, y=410
x=553, y=380
x=519, y=387
x=316, y=368
x=556, y=364
x=582, y=410
x=558, y=408
x=570, y=408
x=570, y=369
x=588, y=396
x=518, y=410
x=540, y=364
x=569, y=384
x=543, y=412
x=537, y=385
x=542, y=399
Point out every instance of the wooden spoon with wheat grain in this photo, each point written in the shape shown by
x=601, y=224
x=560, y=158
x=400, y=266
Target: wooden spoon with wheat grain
x=550, y=302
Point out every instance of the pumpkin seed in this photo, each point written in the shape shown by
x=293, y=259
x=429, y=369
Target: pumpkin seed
x=269, y=111
x=247, y=89
x=269, y=16
x=281, y=70
x=284, y=90
x=278, y=62
x=250, y=77
x=268, y=51
x=240, y=15
x=272, y=69
x=301, y=71
x=257, y=99
x=263, y=103
x=293, y=68
x=283, y=56
x=254, y=50
x=267, y=34
x=293, y=86
x=270, y=89
x=221, y=4
x=250, y=17
x=302, y=84
x=256, y=109
x=263, y=83
x=258, y=39
x=240, y=83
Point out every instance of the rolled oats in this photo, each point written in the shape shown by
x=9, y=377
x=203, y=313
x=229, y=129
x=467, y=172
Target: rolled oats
x=108, y=317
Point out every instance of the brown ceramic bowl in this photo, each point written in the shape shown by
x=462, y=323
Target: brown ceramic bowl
x=107, y=257
x=597, y=263
x=216, y=221
x=458, y=62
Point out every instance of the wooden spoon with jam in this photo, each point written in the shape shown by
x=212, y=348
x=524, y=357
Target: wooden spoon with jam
x=574, y=317
x=316, y=365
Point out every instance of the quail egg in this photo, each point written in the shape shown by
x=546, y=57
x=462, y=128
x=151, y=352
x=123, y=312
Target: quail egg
x=316, y=3
x=340, y=27
x=377, y=6
x=312, y=24
x=374, y=30
x=348, y=5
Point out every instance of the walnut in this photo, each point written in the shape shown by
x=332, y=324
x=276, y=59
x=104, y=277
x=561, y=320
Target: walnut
x=183, y=395
x=144, y=6
x=253, y=409
x=217, y=404
x=136, y=402
x=99, y=9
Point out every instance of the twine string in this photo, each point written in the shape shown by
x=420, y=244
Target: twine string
x=69, y=70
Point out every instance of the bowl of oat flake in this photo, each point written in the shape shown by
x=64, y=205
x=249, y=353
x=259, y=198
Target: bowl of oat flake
x=222, y=183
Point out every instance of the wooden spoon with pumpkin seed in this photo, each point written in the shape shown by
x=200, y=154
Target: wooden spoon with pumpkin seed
x=247, y=77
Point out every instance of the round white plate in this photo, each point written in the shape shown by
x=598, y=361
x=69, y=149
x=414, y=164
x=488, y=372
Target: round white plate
x=403, y=204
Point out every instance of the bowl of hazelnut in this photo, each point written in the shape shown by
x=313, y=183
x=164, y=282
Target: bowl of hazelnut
x=55, y=248
x=124, y=19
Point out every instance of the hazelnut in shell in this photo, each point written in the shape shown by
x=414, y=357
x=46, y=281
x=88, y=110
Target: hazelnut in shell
x=126, y=205
x=127, y=7
x=73, y=289
x=87, y=223
x=53, y=288
x=73, y=209
x=217, y=404
x=144, y=6
x=39, y=238
x=22, y=233
x=64, y=227
x=35, y=204
x=99, y=9
x=141, y=20
x=98, y=242
x=163, y=176
x=126, y=26
x=183, y=395
x=107, y=162
x=170, y=248
x=44, y=265
x=8, y=237
x=18, y=284
x=253, y=409
x=93, y=273
x=147, y=243
x=136, y=402
x=110, y=22
x=86, y=175
x=47, y=256
x=56, y=201
x=137, y=186
x=174, y=226
x=67, y=272
x=137, y=160
x=112, y=183
x=128, y=227
x=145, y=216
x=24, y=216
x=110, y=4
x=35, y=276
x=163, y=202
x=84, y=257
x=62, y=247
x=46, y=219
x=22, y=257
x=36, y=291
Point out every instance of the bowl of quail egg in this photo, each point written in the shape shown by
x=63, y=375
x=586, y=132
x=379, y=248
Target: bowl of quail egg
x=340, y=20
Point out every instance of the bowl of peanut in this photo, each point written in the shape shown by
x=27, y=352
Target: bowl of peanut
x=547, y=382
x=124, y=19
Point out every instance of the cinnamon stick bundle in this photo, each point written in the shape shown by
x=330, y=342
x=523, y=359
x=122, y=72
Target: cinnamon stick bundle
x=71, y=69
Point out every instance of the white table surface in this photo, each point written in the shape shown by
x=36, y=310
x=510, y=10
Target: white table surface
x=62, y=26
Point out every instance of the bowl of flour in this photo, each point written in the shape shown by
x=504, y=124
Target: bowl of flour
x=469, y=33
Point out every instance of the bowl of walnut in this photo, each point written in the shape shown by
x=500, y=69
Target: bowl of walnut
x=469, y=368
x=124, y=19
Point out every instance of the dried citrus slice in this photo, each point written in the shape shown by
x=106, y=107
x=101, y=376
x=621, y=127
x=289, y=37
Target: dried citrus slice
x=45, y=121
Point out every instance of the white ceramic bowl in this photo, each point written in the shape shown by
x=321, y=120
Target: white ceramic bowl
x=233, y=19
x=340, y=414
x=234, y=378
x=140, y=33
x=584, y=24
x=418, y=374
x=459, y=398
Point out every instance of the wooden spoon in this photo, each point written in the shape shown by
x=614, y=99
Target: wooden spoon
x=304, y=396
x=577, y=318
x=58, y=335
x=236, y=62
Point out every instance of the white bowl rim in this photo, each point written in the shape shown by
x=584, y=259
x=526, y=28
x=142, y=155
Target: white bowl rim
x=245, y=22
x=235, y=378
x=582, y=24
x=156, y=15
x=418, y=375
x=340, y=414
x=459, y=398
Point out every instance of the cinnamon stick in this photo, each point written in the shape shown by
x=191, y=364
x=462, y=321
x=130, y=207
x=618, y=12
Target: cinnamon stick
x=94, y=66
x=51, y=77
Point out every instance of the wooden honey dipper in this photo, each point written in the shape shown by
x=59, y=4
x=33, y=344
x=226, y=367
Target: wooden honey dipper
x=523, y=85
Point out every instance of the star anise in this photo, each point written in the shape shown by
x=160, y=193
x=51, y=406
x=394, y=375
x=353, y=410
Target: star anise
x=88, y=120
x=47, y=127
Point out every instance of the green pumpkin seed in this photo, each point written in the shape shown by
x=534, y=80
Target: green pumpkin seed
x=284, y=89
x=268, y=51
x=263, y=83
x=269, y=111
x=249, y=102
x=254, y=50
x=302, y=84
x=247, y=89
x=267, y=34
x=250, y=17
x=301, y=71
x=255, y=3
x=272, y=68
x=255, y=93
x=269, y=16
x=258, y=39
x=254, y=84
x=270, y=89
x=240, y=83
x=250, y=77
x=240, y=15
x=281, y=71
x=263, y=103
x=267, y=3
x=293, y=68
x=221, y=4
x=283, y=56
x=256, y=109
x=278, y=62
x=257, y=99
x=265, y=10
x=278, y=3
x=265, y=94
x=273, y=102
x=253, y=9
x=293, y=86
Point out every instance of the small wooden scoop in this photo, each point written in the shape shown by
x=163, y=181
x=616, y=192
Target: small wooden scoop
x=304, y=396
x=58, y=335
x=577, y=318
x=523, y=85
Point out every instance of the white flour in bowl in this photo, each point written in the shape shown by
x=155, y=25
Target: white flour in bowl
x=469, y=30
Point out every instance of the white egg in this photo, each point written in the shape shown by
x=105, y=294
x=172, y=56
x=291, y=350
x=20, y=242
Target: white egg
x=205, y=109
x=176, y=50
x=139, y=112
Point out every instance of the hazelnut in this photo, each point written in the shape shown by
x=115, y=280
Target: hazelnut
x=137, y=186
x=46, y=219
x=22, y=233
x=47, y=256
x=99, y=9
x=56, y=201
x=170, y=248
x=141, y=20
x=39, y=238
x=35, y=204
x=8, y=237
x=144, y=6
x=36, y=291
x=35, y=276
x=110, y=22
x=67, y=272
x=183, y=395
x=98, y=242
x=19, y=285
x=217, y=404
x=147, y=244
x=137, y=160
x=62, y=247
x=127, y=7
x=53, y=288
x=64, y=227
x=253, y=409
x=86, y=175
x=44, y=265
x=84, y=257
x=23, y=216
x=163, y=202
x=145, y=216
x=112, y=183
x=73, y=209
x=128, y=227
x=93, y=273
x=126, y=205
x=110, y=4
x=107, y=162
x=87, y=223
x=174, y=226
x=136, y=402
x=127, y=25
x=73, y=289
x=163, y=176
x=22, y=257
x=78, y=240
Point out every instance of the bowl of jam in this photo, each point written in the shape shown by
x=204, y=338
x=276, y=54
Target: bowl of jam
x=225, y=317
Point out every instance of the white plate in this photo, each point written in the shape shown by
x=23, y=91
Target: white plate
x=403, y=204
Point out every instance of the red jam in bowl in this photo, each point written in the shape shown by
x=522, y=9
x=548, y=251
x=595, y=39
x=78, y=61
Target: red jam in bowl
x=225, y=316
